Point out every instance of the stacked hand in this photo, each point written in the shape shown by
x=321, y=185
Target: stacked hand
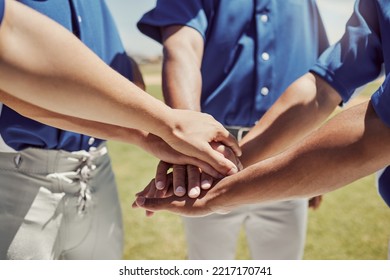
x=160, y=149
x=192, y=133
x=186, y=184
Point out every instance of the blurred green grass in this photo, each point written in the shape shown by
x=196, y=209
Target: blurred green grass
x=353, y=223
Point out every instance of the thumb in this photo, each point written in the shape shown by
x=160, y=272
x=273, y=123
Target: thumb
x=151, y=204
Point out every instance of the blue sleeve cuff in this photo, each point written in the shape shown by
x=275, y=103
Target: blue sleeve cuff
x=381, y=102
x=166, y=13
x=383, y=182
x=330, y=78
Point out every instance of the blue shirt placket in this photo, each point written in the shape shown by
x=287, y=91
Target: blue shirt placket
x=265, y=45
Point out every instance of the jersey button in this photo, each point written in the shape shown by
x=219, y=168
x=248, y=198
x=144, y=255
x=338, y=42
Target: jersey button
x=265, y=56
x=264, y=91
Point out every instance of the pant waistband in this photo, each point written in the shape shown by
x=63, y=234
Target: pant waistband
x=57, y=170
x=238, y=131
x=42, y=161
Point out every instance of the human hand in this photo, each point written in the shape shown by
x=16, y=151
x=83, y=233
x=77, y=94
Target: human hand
x=175, y=183
x=190, y=179
x=153, y=200
x=191, y=134
x=160, y=149
x=185, y=179
x=315, y=202
x=151, y=191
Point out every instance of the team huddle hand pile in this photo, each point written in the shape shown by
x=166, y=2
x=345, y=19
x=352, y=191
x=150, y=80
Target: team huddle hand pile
x=185, y=184
x=284, y=154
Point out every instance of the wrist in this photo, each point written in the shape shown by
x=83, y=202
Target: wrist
x=218, y=198
x=170, y=125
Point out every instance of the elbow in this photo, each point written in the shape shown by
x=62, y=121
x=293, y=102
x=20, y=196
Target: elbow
x=317, y=96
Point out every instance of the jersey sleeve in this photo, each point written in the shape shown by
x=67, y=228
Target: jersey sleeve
x=189, y=13
x=381, y=101
x=1, y=10
x=357, y=58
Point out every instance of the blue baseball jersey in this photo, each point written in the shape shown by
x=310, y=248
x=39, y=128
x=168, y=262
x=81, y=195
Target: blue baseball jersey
x=92, y=22
x=253, y=49
x=358, y=58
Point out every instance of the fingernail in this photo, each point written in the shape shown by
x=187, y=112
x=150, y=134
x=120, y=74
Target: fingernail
x=232, y=171
x=160, y=185
x=194, y=192
x=180, y=191
x=206, y=184
x=140, y=200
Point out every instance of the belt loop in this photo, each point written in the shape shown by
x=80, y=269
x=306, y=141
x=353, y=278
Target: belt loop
x=238, y=131
x=18, y=160
x=239, y=134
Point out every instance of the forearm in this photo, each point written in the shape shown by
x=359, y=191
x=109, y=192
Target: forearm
x=87, y=127
x=352, y=145
x=182, y=81
x=302, y=108
x=44, y=64
x=151, y=143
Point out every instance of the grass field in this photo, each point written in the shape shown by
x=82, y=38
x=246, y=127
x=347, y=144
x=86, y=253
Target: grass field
x=352, y=223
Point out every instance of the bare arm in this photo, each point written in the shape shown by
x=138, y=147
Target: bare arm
x=352, y=145
x=83, y=126
x=182, y=80
x=39, y=58
x=182, y=86
x=149, y=142
x=303, y=107
x=32, y=70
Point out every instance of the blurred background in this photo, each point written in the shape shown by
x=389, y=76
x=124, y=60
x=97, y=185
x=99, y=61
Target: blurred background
x=352, y=223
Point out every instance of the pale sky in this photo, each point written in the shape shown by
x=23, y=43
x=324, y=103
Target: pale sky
x=126, y=13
